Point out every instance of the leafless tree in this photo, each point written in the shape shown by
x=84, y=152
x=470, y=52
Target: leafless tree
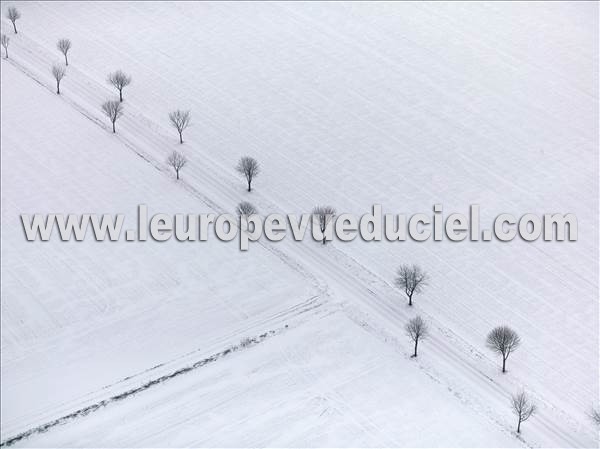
x=13, y=14
x=59, y=72
x=248, y=166
x=180, y=121
x=246, y=209
x=5, y=41
x=113, y=109
x=63, y=46
x=324, y=214
x=177, y=161
x=119, y=79
x=503, y=340
x=595, y=415
x=523, y=408
x=416, y=329
x=412, y=279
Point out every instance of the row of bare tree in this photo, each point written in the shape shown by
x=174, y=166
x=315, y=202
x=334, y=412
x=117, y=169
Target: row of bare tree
x=63, y=45
x=247, y=166
x=13, y=15
x=501, y=340
x=412, y=279
x=113, y=109
x=179, y=119
x=119, y=79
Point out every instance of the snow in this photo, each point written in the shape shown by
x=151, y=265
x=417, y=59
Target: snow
x=349, y=104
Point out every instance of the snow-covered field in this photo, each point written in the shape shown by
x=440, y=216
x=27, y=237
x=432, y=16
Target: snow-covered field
x=349, y=104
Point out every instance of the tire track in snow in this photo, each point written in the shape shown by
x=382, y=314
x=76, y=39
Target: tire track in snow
x=247, y=343
x=284, y=316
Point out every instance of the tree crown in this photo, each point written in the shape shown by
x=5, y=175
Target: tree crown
x=58, y=71
x=522, y=406
x=64, y=45
x=245, y=209
x=248, y=166
x=324, y=214
x=177, y=160
x=417, y=328
x=503, y=340
x=13, y=14
x=180, y=119
x=113, y=109
x=411, y=278
x=119, y=79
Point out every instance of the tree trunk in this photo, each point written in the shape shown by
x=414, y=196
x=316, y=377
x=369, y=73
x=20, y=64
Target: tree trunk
x=503, y=364
x=416, y=344
x=177, y=173
x=58, y=87
x=66, y=60
x=114, y=131
x=324, y=238
x=519, y=426
x=121, y=95
x=249, y=186
x=15, y=27
x=6, y=51
x=410, y=300
x=180, y=138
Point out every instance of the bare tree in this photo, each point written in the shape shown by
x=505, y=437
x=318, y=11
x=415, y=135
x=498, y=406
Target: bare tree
x=523, y=408
x=13, y=14
x=248, y=166
x=177, y=161
x=416, y=329
x=324, y=214
x=5, y=41
x=119, y=79
x=503, y=340
x=113, y=109
x=63, y=46
x=180, y=121
x=595, y=415
x=246, y=209
x=412, y=279
x=59, y=72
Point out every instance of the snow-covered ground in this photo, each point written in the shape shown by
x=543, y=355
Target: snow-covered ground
x=349, y=104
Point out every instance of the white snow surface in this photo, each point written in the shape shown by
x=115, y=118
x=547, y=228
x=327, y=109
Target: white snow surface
x=349, y=104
